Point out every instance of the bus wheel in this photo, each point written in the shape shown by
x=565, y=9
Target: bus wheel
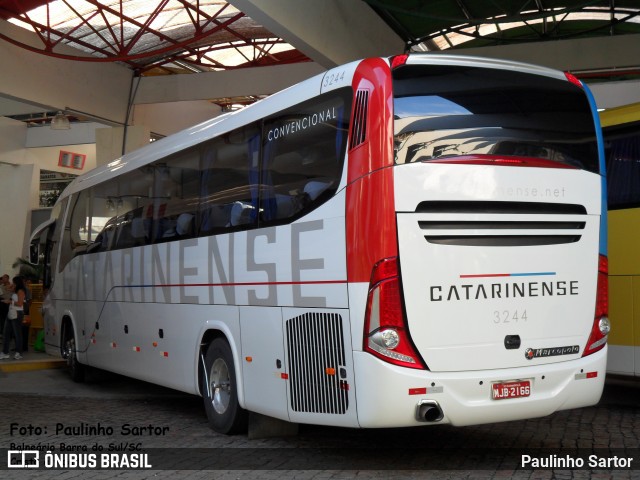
x=76, y=369
x=221, y=390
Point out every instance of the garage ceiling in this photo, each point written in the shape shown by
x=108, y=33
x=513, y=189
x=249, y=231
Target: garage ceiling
x=443, y=24
x=181, y=36
x=166, y=37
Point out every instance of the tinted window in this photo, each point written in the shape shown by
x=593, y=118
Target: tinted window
x=228, y=189
x=59, y=232
x=303, y=154
x=443, y=111
x=260, y=174
x=622, y=151
x=104, y=215
x=173, y=207
x=75, y=235
x=134, y=193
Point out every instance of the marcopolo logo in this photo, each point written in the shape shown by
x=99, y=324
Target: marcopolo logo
x=531, y=353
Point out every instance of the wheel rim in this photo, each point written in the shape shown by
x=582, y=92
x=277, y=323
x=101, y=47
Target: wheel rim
x=70, y=351
x=220, y=386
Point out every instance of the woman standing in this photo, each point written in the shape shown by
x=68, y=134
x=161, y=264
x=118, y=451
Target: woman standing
x=14, y=319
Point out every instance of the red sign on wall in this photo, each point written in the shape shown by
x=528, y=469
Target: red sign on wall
x=71, y=160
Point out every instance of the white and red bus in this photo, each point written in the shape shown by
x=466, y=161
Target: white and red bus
x=395, y=242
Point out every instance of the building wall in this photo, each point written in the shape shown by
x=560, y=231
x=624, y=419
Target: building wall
x=20, y=183
x=18, y=196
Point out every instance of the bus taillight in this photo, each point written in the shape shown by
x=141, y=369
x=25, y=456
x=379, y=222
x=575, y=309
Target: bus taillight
x=385, y=327
x=601, y=326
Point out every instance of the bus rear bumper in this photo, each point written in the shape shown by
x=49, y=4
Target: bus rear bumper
x=389, y=396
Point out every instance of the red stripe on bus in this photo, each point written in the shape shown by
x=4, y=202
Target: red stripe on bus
x=241, y=284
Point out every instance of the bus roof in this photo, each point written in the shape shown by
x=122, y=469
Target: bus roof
x=272, y=104
x=481, y=62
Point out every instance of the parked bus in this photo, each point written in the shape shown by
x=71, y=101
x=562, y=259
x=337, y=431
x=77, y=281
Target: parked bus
x=392, y=243
x=621, y=128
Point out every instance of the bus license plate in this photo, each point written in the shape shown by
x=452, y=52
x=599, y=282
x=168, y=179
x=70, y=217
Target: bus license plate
x=511, y=389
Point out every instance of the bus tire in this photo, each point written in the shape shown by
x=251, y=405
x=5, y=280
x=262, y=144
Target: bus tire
x=76, y=369
x=220, y=390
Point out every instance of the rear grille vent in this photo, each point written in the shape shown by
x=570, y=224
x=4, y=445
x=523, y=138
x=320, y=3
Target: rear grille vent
x=501, y=240
x=529, y=208
x=529, y=223
x=360, y=114
x=525, y=225
x=315, y=344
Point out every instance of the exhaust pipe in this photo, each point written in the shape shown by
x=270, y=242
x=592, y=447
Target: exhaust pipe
x=429, y=411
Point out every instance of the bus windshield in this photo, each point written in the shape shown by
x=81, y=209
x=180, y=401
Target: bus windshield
x=446, y=111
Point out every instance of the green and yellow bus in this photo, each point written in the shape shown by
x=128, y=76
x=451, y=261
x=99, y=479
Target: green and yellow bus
x=621, y=127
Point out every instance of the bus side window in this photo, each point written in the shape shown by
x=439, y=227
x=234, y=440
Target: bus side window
x=303, y=153
x=80, y=223
x=74, y=239
x=182, y=226
x=103, y=215
x=623, y=168
x=133, y=229
x=54, y=254
x=105, y=236
x=229, y=182
x=174, y=201
x=130, y=200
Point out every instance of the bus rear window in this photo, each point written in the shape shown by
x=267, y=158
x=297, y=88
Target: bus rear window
x=447, y=111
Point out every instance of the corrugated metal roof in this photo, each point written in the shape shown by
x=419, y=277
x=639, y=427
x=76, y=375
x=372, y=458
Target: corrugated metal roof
x=445, y=24
x=152, y=37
